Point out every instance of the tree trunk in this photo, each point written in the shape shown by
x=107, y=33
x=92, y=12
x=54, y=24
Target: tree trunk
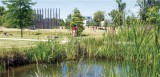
x=21, y=32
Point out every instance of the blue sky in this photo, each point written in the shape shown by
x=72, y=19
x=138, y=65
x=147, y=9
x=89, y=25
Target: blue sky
x=86, y=7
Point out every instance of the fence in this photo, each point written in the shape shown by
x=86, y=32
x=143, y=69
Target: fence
x=47, y=18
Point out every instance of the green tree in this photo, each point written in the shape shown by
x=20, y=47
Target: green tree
x=116, y=15
x=121, y=8
x=19, y=13
x=144, y=6
x=62, y=23
x=153, y=15
x=68, y=19
x=98, y=17
x=77, y=19
x=106, y=24
x=131, y=19
x=2, y=14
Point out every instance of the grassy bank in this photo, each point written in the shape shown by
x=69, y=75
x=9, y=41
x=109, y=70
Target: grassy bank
x=135, y=45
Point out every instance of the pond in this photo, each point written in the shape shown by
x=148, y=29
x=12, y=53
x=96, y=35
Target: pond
x=85, y=68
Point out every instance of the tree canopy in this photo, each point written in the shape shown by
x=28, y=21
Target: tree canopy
x=77, y=19
x=118, y=16
x=98, y=17
x=2, y=14
x=145, y=5
x=19, y=13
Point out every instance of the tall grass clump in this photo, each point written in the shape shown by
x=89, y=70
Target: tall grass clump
x=138, y=44
x=50, y=51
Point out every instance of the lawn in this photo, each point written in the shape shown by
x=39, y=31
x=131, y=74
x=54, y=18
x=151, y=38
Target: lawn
x=39, y=34
x=16, y=44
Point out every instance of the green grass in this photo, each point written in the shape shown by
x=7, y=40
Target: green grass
x=45, y=33
x=16, y=44
x=38, y=34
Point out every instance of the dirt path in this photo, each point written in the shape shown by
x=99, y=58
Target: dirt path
x=21, y=39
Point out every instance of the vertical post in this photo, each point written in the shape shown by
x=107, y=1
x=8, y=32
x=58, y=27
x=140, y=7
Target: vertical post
x=56, y=18
x=51, y=17
x=59, y=17
x=45, y=18
x=48, y=19
x=40, y=15
x=42, y=18
x=37, y=18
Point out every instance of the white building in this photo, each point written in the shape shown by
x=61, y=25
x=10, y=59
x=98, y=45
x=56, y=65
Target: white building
x=87, y=19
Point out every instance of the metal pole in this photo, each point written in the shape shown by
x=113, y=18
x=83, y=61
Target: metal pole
x=59, y=17
x=51, y=17
x=56, y=18
x=48, y=19
x=42, y=19
x=45, y=18
x=37, y=18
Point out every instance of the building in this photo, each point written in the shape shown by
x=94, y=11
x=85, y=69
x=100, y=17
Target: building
x=87, y=20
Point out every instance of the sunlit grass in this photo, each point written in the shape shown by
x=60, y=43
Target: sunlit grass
x=16, y=44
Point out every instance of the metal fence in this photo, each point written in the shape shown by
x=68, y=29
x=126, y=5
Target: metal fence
x=46, y=18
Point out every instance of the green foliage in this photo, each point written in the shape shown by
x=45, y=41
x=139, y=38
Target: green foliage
x=45, y=52
x=77, y=19
x=106, y=23
x=118, y=16
x=131, y=19
x=62, y=23
x=19, y=14
x=153, y=15
x=68, y=19
x=2, y=14
x=144, y=6
x=121, y=5
x=98, y=17
x=92, y=24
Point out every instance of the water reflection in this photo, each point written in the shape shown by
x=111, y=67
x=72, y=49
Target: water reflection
x=71, y=69
x=82, y=70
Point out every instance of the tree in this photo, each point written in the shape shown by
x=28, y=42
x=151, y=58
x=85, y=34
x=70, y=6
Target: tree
x=98, y=17
x=77, y=19
x=121, y=5
x=121, y=8
x=116, y=17
x=144, y=6
x=2, y=14
x=153, y=15
x=131, y=19
x=62, y=23
x=68, y=19
x=20, y=13
x=106, y=24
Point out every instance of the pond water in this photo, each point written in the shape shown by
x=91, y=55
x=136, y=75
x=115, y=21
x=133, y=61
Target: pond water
x=91, y=68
